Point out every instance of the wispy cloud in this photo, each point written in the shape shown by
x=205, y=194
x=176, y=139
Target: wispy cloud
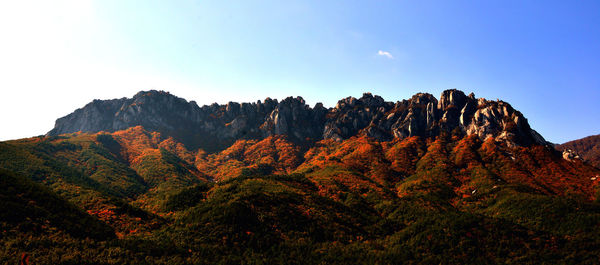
x=386, y=54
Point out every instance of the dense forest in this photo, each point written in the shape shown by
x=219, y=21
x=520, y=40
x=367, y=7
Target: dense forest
x=137, y=197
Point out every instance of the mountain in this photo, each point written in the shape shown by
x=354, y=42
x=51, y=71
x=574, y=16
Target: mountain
x=216, y=127
x=587, y=148
x=459, y=180
x=28, y=206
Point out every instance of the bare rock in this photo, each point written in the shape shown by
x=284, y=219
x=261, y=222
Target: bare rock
x=214, y=126
x=570, y=155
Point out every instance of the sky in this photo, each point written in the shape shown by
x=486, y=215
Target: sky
x=543, y=57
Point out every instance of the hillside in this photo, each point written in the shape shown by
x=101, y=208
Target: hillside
x=416, y=181
x=27, y=206
x=588, y=148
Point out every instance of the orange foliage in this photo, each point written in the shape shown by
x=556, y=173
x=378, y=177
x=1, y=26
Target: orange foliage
x=588, y=148
x=405, y=154
x=136, y=141
x=178, y=149
x=556, y=175
x=276, y=151
x=367, y=162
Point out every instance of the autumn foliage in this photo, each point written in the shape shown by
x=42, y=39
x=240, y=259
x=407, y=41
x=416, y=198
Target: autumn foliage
x=445, y=199
x=588, y=148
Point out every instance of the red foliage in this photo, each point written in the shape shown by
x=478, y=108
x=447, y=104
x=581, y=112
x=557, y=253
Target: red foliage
x=405, y=154
x=588, y=148
x=555, y=174
x=137, y=142
x=24, y=259
x=363, y=163
x=276, y=151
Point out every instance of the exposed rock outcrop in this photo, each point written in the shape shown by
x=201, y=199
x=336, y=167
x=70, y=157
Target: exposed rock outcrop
x=570, y=155
x=215, y=126
x=588, y=148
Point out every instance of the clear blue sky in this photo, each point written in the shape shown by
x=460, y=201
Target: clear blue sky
x=543, y=57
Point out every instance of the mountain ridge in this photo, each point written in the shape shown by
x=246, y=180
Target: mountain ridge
x=215, y=127
x=447, y=192
x=588, y=148
x=418, y=181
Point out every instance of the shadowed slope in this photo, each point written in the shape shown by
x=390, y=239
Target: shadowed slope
x=26, y=206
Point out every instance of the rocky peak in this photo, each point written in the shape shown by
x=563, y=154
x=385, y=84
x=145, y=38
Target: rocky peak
x=293, y=117
x=214, y=126
x=371, y=101
x=422, y=98
x=348, y=102
x=452, y=98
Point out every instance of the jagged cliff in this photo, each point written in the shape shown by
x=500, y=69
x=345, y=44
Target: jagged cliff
x=215, y=126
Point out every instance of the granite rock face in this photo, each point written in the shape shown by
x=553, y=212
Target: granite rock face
x=424, y=115
x=214, y=126
x=570, y=155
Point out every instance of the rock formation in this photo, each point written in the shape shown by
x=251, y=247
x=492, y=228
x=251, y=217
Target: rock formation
x=214, y=126
x=570, y=155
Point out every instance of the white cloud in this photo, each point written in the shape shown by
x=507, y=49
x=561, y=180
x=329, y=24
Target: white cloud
x=386, y=54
